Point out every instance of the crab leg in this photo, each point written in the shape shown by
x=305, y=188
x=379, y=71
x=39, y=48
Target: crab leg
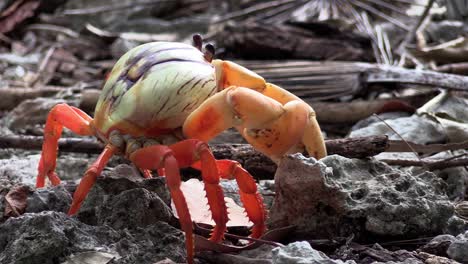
x=61, y=115
x=90, y=177
x=159, y=156
x=189, y=151
x=251, y=199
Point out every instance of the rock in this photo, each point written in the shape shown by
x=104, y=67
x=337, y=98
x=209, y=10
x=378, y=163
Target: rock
x=122, y=198
x=150, y=244
x=339, y=197
x=415, y=129
x=20, y=170
x=458, y=249
x=24, y=169
x=456, y=178
x=438, y=245
x=260, y=255
x=56, y=199
x=135, y=207
x=432, y=259
x=49, y=237
x=374, y=119
x=302, y=253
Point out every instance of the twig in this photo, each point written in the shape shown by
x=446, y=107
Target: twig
x=347, y=147
x=55, y=28
x=141, y=37
x=108, y=8
x=253, y=9
x=400, y=146
x=263, y=241
x=398, y=134
x=411, y=34
x=380, y=14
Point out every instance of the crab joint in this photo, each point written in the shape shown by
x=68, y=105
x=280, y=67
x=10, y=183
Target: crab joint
x=116, y=139
x=132, y=146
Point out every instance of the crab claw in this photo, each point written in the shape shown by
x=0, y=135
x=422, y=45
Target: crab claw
x=266, y=124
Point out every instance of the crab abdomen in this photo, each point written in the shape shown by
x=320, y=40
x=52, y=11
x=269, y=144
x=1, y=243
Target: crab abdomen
x=153, y=88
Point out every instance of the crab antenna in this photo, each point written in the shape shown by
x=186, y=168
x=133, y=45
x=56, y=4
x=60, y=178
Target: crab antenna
x=209, y=52
x=197, y=41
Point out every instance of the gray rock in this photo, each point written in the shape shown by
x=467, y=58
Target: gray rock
x=439, y=245
x=456, y=177
x=302, y=253
x=135, y=207
x=374, y=119
x=260, y=255
x=48, y=237
x=458, y=249
x=122, y=198
x=339, y=196
x=20, y=170
x=23, y=169
x=150, y=244
x=56, y=199
x=406, y=261
x=414, y=129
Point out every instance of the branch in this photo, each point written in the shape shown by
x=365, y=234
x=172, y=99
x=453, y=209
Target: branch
x=359, y=147
x=429, y=164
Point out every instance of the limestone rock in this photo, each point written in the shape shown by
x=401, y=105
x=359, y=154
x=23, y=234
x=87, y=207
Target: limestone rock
x=339, y=197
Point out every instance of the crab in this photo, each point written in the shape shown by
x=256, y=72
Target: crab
x=162, y=103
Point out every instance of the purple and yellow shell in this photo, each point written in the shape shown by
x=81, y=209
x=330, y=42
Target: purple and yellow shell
x=153, y=88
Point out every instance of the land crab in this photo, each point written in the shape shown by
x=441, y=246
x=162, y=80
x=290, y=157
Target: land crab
x=160, y=105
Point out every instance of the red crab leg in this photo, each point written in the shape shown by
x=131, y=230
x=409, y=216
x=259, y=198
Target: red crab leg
x=90, y=177
x=61, y=115
x=251, y=199
x=189, y=151
x=159, y=156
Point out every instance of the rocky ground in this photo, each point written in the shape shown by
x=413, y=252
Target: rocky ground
x=401, y=207
x=342, y=210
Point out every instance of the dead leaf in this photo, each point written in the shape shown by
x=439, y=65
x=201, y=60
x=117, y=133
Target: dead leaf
x=17, y=13
x=15, y=201
x=197, y=202
x=275, y=235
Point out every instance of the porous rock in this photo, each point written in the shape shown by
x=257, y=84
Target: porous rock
x=338, y=196
x=56, y=198
x=302, y=253
x=458, y=249
x=122, y=198
x=49, y=237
